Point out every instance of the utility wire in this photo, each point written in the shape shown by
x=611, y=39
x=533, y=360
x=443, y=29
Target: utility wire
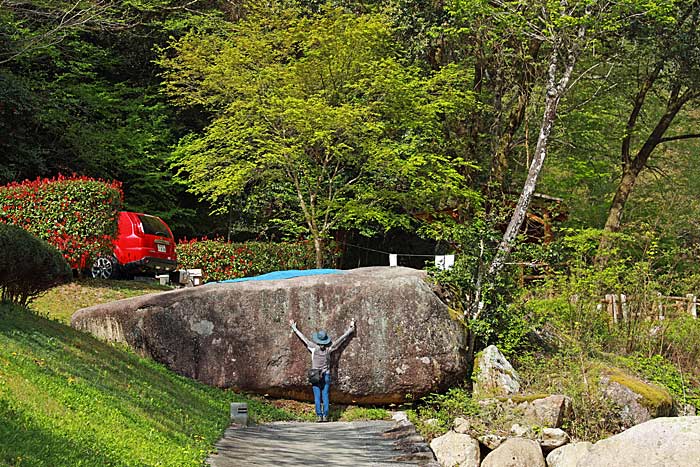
x=386, y=252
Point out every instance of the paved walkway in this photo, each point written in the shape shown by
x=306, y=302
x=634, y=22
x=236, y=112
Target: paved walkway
x=351, y=444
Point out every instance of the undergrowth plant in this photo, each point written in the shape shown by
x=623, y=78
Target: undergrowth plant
x=435, y=413
x=28, y=266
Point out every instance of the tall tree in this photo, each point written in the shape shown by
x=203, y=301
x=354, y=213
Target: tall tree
x=319, y=107
x=665, y=59
x=567, y=28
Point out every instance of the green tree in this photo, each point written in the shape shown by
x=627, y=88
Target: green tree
x=663, y=67
x=319, y=112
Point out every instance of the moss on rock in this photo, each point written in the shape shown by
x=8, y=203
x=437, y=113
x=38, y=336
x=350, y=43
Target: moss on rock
x=655, y=398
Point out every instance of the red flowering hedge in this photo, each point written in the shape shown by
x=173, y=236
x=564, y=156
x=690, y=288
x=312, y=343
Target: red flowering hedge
x=77, y=215
x=221, y=260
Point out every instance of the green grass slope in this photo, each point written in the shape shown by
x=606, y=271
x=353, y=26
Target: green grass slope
x=67, y=399
x=61, y=302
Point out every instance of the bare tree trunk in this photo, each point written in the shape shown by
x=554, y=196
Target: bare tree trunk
x=639, y=163
x=516, y=221
x=632, y=168
x=318, y=246
x=556, y=87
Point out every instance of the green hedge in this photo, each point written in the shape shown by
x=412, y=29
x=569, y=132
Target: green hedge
x=28, y=265
x=77, y=215
x=220, y=260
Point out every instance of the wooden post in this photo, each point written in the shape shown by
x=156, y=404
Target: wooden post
x=611, y=307
x=692, y=305
x=624, y=307
x=660, y=308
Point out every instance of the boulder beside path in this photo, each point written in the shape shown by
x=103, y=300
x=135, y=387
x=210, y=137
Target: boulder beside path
x=661, y=442
x=237, y=335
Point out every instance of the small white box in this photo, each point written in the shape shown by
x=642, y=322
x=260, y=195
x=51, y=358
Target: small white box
x=195, y=276
x=164, y=279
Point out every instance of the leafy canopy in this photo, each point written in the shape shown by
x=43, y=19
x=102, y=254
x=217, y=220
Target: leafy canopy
x=319, y=112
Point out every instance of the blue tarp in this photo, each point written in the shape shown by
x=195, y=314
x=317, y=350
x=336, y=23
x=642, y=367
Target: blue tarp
x=276, y=275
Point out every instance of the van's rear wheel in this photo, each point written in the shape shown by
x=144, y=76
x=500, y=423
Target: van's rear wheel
x=104, y=267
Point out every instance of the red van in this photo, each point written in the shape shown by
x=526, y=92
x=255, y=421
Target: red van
x=144, y=244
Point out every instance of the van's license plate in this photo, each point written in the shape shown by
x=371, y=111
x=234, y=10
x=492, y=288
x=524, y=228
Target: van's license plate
x=161, y=248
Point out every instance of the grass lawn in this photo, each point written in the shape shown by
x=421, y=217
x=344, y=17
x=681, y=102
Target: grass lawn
x=61, y=302
x=67, y=399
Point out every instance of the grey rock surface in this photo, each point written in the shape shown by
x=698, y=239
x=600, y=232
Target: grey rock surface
x=495, y=376
x=492, y=441
x=549, y=411
x=335, y=444
x=522, y=431
x=552, y=438
x=461, y=425
x=237, y=334
x=515, y=452
x=634, y=407
x=661, y=442
x=456, y=449
x=568, y=455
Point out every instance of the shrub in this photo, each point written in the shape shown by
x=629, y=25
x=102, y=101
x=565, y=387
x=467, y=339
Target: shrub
x=221, y=260
x=28, y=265
x=435, y=413
x=77, y=215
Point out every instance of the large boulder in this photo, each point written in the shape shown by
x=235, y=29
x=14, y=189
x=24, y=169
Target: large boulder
x=515, y=452
x=667, y=441
x=456, y=449
x=568, y=455
x=494, y=375
x=551, y=411
x=637, y=400
x=237, y=334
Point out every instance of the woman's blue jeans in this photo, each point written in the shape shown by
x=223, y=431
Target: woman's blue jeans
x=321, y=391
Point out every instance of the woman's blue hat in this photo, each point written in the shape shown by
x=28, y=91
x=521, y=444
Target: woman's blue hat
x=321, y=337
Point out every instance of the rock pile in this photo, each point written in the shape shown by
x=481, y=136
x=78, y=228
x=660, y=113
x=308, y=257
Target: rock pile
x=538, y=440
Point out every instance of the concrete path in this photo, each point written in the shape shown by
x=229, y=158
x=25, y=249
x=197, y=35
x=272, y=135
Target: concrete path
x=351, y=444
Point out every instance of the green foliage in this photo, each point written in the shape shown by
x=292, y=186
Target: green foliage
x=570, y=299
x=442, y=409
x=67, y=399
x=220, y=260
x=352, y=414
x=321, y=109
x=679, y=341
x=661, y=371
x=77, y=215
x=573, y=372
x=80, y=95
x=28, y=265
x=493, y=320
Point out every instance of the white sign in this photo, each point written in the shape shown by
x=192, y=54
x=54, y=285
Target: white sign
x=444, y=261
x=393, y=260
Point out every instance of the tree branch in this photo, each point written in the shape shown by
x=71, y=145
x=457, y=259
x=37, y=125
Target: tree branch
x=679, y=137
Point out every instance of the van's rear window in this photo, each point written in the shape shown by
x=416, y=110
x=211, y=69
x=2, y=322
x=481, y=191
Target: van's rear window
x=153, y=226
